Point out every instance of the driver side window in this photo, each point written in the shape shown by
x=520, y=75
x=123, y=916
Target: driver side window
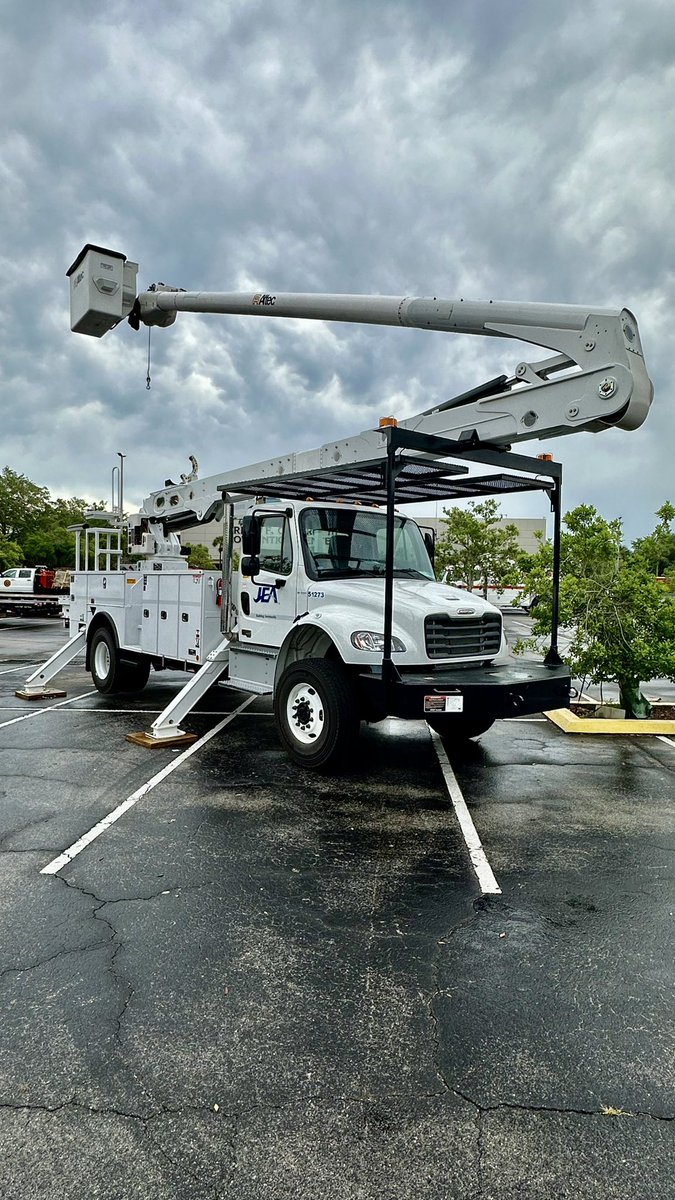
x=276, y=548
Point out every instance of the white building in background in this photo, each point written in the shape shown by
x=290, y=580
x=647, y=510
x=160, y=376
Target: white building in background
x=204, y=535
x=528, y=528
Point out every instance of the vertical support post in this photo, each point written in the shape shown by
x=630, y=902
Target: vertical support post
x=553, y=657
x=226, y=553
x=121, y=490
x=389, y=672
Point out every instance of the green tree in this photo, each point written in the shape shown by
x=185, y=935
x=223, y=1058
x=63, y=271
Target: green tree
x=200, y=557
x=22, y=505
x=11, y=554
x=621, y=621
x=36, y=525
x=476, y=548
x=657, y=550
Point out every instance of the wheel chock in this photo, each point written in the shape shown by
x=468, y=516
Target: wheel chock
x=47, y=694
x=152, y=743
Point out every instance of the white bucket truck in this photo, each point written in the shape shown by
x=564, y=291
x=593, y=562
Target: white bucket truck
x=335, y=611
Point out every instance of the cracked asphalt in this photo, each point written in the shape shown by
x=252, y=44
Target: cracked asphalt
x=265, y=984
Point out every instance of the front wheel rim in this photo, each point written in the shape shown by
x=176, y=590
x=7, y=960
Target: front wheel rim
x=102, y=660
x=305, y=714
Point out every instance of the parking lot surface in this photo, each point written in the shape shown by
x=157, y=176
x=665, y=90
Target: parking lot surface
x=258, y=982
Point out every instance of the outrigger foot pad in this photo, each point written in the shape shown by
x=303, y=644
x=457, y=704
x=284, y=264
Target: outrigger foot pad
x=152, y=743
x=48, y=694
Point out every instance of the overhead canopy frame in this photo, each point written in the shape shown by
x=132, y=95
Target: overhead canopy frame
x=414, y=468
x=418, y=479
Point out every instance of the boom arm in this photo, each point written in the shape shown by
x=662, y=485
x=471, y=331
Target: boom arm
x=593, y=343
x=595, y=379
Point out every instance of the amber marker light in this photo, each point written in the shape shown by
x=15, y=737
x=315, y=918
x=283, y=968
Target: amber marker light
x=387, y=422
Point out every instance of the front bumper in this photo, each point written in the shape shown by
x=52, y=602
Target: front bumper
x=509, y=690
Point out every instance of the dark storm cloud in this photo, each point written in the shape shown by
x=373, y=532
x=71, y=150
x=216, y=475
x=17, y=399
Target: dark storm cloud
x=473, y=149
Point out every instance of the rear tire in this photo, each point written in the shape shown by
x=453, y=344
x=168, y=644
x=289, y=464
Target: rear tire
x=317, y=714
x=134, y=676
x=109, y=673
x=452, y=730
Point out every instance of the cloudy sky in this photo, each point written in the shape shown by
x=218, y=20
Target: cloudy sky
x=475, y=148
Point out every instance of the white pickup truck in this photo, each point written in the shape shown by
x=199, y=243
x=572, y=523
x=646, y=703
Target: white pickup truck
x=33, y=591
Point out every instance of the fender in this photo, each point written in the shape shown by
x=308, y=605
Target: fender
x=317, y=636
x=103, y=618
x=309, y=638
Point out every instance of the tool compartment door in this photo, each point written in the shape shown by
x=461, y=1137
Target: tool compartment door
x=159, y=619
x=196, y=595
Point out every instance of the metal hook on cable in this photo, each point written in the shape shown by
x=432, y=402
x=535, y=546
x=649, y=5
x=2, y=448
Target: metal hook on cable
x=147, y=378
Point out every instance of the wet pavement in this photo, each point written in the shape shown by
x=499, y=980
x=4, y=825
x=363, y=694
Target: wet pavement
x=263, y=983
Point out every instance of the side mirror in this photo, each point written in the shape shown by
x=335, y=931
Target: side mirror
x=250, y=535
x=250, y=564
x=430, y=543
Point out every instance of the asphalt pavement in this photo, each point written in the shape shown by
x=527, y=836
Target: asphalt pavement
x=262, y=983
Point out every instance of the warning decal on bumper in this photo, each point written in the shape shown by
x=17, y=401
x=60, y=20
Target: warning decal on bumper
x=443, y=704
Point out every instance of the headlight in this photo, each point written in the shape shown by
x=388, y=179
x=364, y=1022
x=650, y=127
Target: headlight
x=365, y=639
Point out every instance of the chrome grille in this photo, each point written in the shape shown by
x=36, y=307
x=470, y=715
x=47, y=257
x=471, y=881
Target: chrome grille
x=462, y=637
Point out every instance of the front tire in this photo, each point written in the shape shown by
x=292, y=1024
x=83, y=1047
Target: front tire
x=452, y=730
x=316, y=714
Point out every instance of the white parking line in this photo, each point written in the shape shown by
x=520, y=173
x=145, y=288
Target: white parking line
x=116, y=712
x=484, y=872
x=662, y=738
x=13, y=670
x=528, y=720
x=68, y=855
x=37, y=712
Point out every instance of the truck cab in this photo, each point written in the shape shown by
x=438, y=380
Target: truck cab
x=308, y=624
x=318, y=566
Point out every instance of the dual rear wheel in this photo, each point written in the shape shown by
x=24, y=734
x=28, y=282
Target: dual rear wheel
x=109, y=672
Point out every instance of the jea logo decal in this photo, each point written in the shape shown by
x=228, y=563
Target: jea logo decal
x=267, y=593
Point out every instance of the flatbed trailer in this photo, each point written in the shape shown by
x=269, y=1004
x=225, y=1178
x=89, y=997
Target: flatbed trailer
x=30, y=605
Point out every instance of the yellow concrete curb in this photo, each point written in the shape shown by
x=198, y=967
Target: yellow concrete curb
x=569, y=722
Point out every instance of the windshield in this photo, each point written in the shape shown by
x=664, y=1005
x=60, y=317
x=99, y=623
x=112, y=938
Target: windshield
x=337, y=544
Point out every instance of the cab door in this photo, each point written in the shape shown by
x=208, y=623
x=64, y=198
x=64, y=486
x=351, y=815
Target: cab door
x=267, y=600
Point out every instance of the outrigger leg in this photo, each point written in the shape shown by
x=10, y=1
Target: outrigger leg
x=34, y=687
x=166, y=730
